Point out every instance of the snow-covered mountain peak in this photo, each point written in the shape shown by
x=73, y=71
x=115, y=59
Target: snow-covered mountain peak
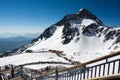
x=81, y=9
x=78, y=36
x=76, y=30
x=78, y=17
x=84, y=13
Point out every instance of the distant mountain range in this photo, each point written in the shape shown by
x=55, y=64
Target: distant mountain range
x=12, y=35
x=11, y=43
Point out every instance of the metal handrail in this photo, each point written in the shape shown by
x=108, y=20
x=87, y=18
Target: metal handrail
x=88, y=62
x=82, y=64
x=106, y=57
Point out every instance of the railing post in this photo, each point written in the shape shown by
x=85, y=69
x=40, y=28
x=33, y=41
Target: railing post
x=106, y=60
x=113, y=67
x=83, y=74
x=21, y=67
x=56, y=73
x=108, y=68
x=99, y=71
x=103, y=69
x=88, y=73
x=95, y=71
x=119, y=66
x=91, y=72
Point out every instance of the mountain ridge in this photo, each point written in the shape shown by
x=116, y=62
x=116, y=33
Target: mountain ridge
x=75, y=34
x=65, y=21
x=82, y=23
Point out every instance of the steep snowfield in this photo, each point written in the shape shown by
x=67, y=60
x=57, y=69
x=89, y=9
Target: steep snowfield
x=80, y=46
x=52, y=42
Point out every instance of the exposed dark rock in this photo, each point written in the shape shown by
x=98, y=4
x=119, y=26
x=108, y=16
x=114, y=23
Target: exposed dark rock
x=118, y=33
x=48, y=32
x=29, y=51
x=66, y=19
x=90, y=30
x=109, y=35
x=106, y=30
x=69, y=32
x=99, y=30
x=81, y=14
x=117, y=40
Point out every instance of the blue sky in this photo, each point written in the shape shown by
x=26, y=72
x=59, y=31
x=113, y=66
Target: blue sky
x=33, y=16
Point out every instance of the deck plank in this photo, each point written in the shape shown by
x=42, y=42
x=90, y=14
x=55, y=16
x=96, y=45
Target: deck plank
x=17, y=78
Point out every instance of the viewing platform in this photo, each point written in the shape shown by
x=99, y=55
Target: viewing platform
x=103, y=68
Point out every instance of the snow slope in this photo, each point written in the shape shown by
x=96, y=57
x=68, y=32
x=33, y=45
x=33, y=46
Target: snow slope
x=79, y=34
x=80, y=44
x=33, y=57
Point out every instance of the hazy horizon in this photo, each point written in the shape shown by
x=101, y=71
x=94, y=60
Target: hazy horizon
x=12, y=35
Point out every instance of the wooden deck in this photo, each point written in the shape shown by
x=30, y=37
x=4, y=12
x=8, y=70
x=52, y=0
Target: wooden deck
x=110, y=77
x=17, y=78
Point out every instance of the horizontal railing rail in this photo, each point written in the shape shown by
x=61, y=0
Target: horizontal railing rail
x=85, y=71
x=102, y=66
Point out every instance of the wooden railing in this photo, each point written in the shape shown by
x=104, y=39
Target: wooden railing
x=106, y=65
x=103, y=66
